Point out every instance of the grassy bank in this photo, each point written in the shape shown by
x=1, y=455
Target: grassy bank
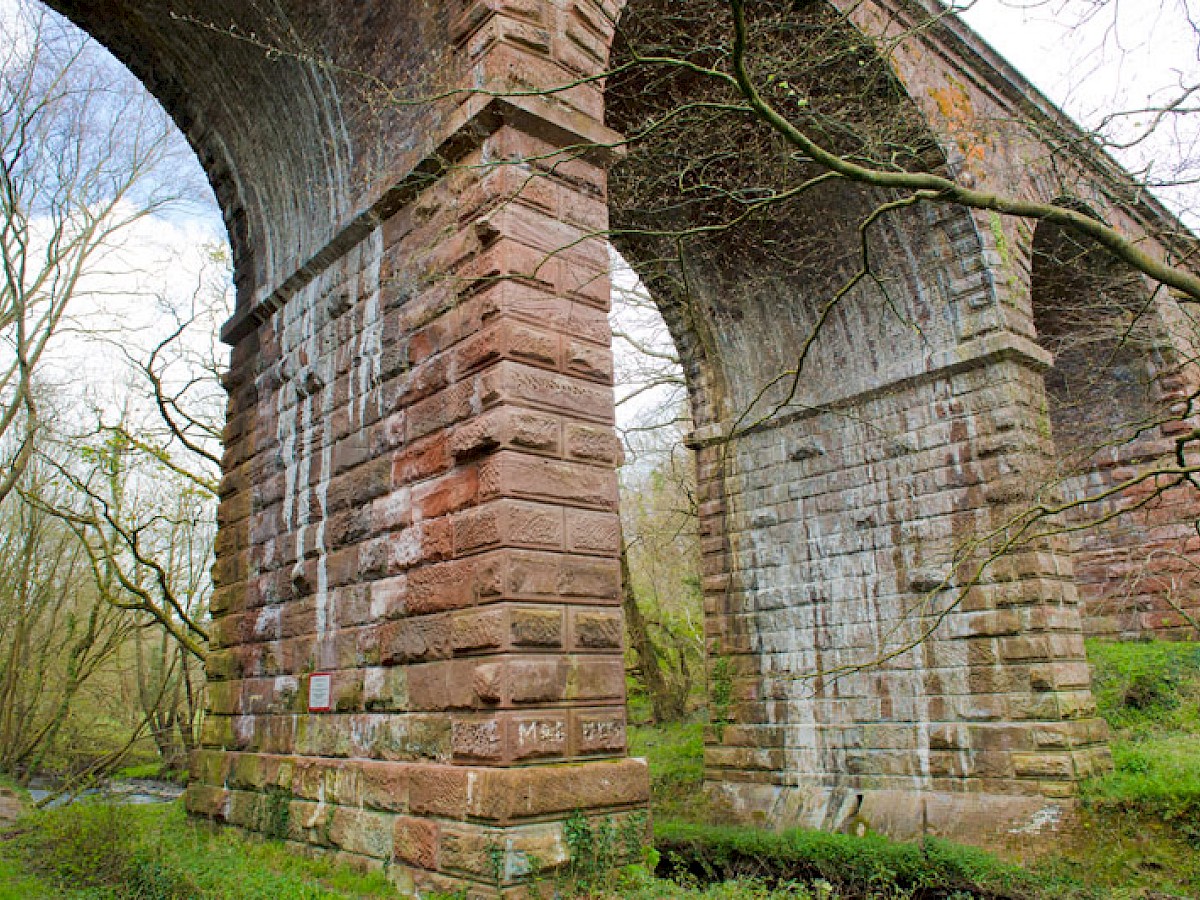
x=103, y=852
x=1140, y=838
x=1140, y=834
x=1142, y=820
x=1150, y=695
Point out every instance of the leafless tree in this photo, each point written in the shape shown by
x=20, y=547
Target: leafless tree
x=80, y=162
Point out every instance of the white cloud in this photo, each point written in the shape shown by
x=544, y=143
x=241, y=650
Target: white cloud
x=1094, y=59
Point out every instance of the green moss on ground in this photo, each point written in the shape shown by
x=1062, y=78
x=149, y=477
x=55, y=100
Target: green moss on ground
x=1140, y=837
x=105, y=852
x=675, y=753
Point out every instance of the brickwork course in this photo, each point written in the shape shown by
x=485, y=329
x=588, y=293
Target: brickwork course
x=420, y=497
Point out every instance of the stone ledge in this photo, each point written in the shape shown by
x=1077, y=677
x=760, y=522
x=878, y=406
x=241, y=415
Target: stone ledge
x=998, y=821
x=985, y=350
x=481, y=794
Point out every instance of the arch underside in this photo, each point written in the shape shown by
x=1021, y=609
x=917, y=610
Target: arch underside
x=1119, y=381
x=420, y=494
x=301, y=112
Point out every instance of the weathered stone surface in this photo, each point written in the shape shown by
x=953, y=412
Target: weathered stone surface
x=419, y=496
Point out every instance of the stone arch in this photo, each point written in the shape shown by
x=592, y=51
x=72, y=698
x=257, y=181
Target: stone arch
x=1098, y=318
x=284, y=108
x=837, y=500
x=1116, y=372
x=419, y=494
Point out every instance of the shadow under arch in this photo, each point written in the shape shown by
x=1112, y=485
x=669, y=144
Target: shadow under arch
x=294, y=110
x=1116, y=374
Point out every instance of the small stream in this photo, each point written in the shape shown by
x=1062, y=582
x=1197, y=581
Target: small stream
x=133, y=791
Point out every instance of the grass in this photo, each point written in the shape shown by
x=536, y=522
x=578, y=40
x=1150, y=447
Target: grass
x=1141, y=823
x=151, y=770
x=1140, y=834
x=1150, y=695
x=675, y=752
x=104, y=852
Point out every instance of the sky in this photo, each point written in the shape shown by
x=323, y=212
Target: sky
x=125, y=301
x=1093, y=57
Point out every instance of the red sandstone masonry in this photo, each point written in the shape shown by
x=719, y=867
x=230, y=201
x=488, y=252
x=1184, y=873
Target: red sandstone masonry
x=418, y=492
x=438, y=528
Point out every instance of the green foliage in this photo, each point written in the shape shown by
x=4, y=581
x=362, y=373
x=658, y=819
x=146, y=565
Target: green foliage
x=636, y=884
x=1157, y=778
x=662, y=550
x=103, y=852
x=1150, y=694
x=152, y=770
x=675, y=753
x=86, y=845
x=851, y=866
x=16, y=884
x=720, y=691
x=1147, y=688
x=597, y=845
x=495, y=857
x=276, y=812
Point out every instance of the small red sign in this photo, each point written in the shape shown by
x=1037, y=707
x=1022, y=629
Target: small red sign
x=320, y=692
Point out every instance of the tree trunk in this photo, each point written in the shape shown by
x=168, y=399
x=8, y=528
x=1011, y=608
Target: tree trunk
x=665, y=704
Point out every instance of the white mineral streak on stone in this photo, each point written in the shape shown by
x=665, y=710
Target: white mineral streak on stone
x=406, y=547
x=342, y=150
x=323, y=358
x=318, y=814
x=325, y=607
x=1046, y=817
x=921, y=686
x=306, y=437
x=370, y=346
x=311, y=349
x=285, y=432
x=243, y=729
x=828, y=599
x=267, y=622
x=305, y=404
x=373, y=682
x=364, y=731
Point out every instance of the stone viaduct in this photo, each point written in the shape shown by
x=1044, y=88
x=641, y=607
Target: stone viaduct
x=420, y=493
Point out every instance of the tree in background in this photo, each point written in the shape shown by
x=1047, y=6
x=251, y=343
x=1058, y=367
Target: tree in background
x=660, y=551
x=139, y=496
x=81, y=161
x=107, y=509
x=57, y=633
